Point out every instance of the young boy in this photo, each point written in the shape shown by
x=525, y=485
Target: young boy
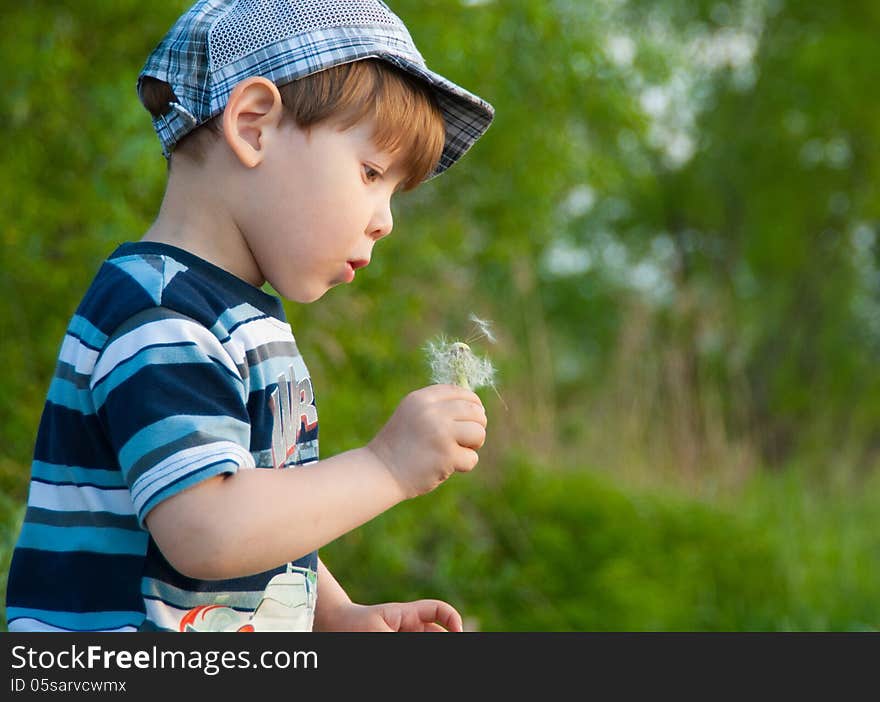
x=176, y=482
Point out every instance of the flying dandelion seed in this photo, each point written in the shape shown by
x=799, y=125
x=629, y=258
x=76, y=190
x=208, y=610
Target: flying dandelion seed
x=483, y=328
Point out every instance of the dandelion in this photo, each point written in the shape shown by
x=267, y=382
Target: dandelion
x=456, y=363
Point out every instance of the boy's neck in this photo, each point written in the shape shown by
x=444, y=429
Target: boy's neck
x=195, y=216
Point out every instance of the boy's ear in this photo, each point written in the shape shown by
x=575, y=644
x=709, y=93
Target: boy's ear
x=253, y=108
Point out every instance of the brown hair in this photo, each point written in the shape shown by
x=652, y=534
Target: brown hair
x=404, y=110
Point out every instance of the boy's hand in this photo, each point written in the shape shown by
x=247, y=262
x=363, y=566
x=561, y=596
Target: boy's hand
x=421, y=615
x=434, y=432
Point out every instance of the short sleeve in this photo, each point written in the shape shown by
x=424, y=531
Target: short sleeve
x=173, y=405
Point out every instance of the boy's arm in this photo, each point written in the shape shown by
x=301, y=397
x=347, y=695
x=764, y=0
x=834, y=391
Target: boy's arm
x=254, y=520
x=257, y=519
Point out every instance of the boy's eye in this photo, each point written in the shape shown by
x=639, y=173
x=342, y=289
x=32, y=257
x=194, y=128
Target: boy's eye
x=371, y=173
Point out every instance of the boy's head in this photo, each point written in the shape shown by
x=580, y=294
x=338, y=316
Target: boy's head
x=329, y=108
x=306, y=47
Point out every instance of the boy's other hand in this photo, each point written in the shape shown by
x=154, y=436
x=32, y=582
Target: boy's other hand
x=434, y=432
x=421, y=615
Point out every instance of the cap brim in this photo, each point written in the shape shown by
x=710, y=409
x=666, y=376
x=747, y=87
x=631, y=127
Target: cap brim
x=466, y=115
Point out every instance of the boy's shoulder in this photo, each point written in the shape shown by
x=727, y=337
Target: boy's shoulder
x=146, y=279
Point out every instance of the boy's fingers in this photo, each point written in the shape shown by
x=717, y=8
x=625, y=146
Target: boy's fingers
x=435, y=611
x=470, y=434
x=468, y=411
x=466, y=460
x=447, y=391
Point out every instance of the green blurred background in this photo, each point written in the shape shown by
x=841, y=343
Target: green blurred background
x=672, y=224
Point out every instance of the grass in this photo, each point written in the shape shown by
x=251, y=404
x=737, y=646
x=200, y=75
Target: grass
x=541, y=550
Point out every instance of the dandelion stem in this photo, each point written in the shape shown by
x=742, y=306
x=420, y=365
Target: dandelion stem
x=460, y=354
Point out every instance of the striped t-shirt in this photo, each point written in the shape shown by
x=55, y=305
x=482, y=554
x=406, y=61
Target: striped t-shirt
x=172, y=371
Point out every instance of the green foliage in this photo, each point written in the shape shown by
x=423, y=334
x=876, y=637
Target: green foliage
x=11, y=514
x=539, y=550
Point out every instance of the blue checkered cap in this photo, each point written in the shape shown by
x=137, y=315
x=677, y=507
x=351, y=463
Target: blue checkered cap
x=216, y=44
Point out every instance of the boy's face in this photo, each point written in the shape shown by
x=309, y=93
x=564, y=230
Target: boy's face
x=316, y=206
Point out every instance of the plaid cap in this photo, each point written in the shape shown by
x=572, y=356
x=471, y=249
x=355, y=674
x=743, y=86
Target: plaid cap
x=216, y=44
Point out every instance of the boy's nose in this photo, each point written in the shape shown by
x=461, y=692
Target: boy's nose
x=382, y=222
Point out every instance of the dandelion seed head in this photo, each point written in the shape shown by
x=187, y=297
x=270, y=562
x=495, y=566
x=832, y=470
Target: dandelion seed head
x=455, y=363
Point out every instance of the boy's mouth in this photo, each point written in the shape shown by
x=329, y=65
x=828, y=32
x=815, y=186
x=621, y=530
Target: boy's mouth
x=352, y=266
